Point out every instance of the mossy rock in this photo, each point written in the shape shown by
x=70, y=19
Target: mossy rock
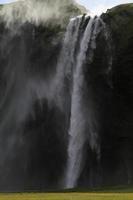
x=120, y=21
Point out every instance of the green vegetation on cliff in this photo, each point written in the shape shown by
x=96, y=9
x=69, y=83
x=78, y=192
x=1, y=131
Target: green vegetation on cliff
x=120, y=20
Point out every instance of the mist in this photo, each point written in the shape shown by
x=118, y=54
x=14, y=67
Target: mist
x=36, y=12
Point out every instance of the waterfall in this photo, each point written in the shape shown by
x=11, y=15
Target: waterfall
x=82, y=122
x=66, y=59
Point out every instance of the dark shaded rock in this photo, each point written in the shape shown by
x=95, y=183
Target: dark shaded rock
x=34, y=129
x=118, y=137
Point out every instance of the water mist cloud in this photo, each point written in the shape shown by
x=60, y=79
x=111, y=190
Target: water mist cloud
x=34, y=11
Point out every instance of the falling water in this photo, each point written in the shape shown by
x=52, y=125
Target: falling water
x=66, y=59
x=82, y=126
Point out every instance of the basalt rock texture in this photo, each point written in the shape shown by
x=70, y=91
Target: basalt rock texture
x=49, y=82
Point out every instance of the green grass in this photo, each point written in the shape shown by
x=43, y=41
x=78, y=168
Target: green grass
x=106, y=193
x=67, y=196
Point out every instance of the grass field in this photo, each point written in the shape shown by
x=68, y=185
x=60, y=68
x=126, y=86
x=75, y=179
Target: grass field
x=67, y=196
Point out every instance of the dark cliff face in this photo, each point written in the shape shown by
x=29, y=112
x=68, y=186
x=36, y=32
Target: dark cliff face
x=118, y=137
x=111, y=86
x=36, y=153
x=33, y=129
x=112, y=95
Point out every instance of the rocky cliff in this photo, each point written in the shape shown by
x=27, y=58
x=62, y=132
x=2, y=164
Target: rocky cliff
x=35, y=108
